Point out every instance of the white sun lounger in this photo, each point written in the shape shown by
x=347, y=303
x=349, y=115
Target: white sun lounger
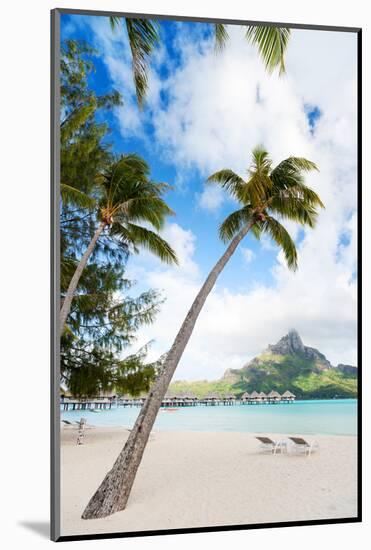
x=300, y=445
x=268, y=445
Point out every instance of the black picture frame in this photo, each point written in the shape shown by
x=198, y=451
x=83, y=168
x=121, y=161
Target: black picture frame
x=55, y=278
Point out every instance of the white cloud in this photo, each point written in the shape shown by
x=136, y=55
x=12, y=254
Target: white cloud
x=211, y=198
x=247, y=254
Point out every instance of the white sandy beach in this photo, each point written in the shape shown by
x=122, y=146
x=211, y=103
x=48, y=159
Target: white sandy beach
x=198, y=479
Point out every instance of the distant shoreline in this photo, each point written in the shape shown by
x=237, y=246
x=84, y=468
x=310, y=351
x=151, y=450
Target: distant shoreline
x=323, y=417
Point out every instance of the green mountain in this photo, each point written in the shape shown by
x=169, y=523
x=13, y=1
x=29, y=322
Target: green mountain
x=287, y=365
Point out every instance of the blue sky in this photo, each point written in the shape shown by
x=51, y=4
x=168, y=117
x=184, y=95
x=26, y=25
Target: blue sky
x=206, y=112
x=183, y=200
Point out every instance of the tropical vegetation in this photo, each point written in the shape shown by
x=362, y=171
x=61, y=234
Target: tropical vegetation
x=267, y=198
x=113, y=196
x=279, y=373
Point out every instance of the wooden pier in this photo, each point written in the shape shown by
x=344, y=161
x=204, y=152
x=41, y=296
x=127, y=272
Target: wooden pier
x=82, y=405
x=176, y=401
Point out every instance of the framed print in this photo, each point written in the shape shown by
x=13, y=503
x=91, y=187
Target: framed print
x=206, y=369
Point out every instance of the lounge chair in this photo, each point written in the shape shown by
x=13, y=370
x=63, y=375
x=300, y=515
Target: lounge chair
x=267, y=444
x=300, y=445
x=67, y=422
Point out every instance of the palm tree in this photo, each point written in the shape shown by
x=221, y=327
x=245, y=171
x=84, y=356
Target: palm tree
x=143, y=35
x=127, y=199
x=268, y=196
x=271, y=42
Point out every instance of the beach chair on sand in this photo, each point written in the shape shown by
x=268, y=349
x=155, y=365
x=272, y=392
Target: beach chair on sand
x=268, y=445
x=300, y=445
x=67, y=422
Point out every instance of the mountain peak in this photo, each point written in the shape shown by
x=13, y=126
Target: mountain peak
x=289, y=364
x=290, y=344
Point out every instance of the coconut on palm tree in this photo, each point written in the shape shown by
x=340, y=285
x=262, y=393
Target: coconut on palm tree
x=267, y=198
x=128, y=204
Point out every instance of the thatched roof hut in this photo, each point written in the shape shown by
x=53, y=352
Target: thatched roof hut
x=245, y=396
x=288, y=395
x=262, y=395
x=190, y=397
x=255, y=395
x=212, y=397
x=274, y=395
x=230, y=396
x=170, y=396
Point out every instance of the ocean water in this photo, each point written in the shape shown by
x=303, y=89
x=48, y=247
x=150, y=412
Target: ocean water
x=336, y=417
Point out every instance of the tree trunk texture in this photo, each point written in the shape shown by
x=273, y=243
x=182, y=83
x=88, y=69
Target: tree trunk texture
x=113, y=493
x=65, y=309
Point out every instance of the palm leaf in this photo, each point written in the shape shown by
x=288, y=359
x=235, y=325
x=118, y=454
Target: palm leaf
x=290, y=197
x=272, y=44
x=234, y=223
x=140, y=236
x=293, y=166
x=143, y=38
x=294, y=208
x=282, y=238
x=72, y=195
x=259, y=184
x=151, y=209
x=221, y=36
x=230, y=181
x=114, y=22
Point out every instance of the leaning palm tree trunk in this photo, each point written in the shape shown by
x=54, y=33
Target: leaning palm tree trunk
x=65, y=309
x=114, y=491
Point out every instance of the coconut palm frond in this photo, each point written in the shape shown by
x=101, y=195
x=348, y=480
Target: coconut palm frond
x=259, y=184
x=279, y=191
x=234, y=223
x=261, y=161
x=143, y=37
x=150, y=208
x=272, y=44
x=139, y=236
x=230, y=181
x=282, y=238
x=72, y=195
x=114, y=22
x=289, y=171
x=294, y=208
x=290, y=197
x=221, y=36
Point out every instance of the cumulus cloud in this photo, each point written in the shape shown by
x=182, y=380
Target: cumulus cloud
x=218, y=108
x=211, y=199
x=247, y=254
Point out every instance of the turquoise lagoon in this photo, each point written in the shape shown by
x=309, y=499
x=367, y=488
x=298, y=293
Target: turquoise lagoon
x=335, y=416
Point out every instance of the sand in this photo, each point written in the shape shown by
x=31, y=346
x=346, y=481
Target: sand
x=198, y=479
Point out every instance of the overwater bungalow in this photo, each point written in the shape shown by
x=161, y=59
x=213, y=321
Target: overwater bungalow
x=229, y=399
x=171, y=400
x=288, y=397
x=179, y=400
x=245, y=398
x=274, y=397
x=263, y=397
x=188, y=400
x=212, y=399
x=254, y=397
